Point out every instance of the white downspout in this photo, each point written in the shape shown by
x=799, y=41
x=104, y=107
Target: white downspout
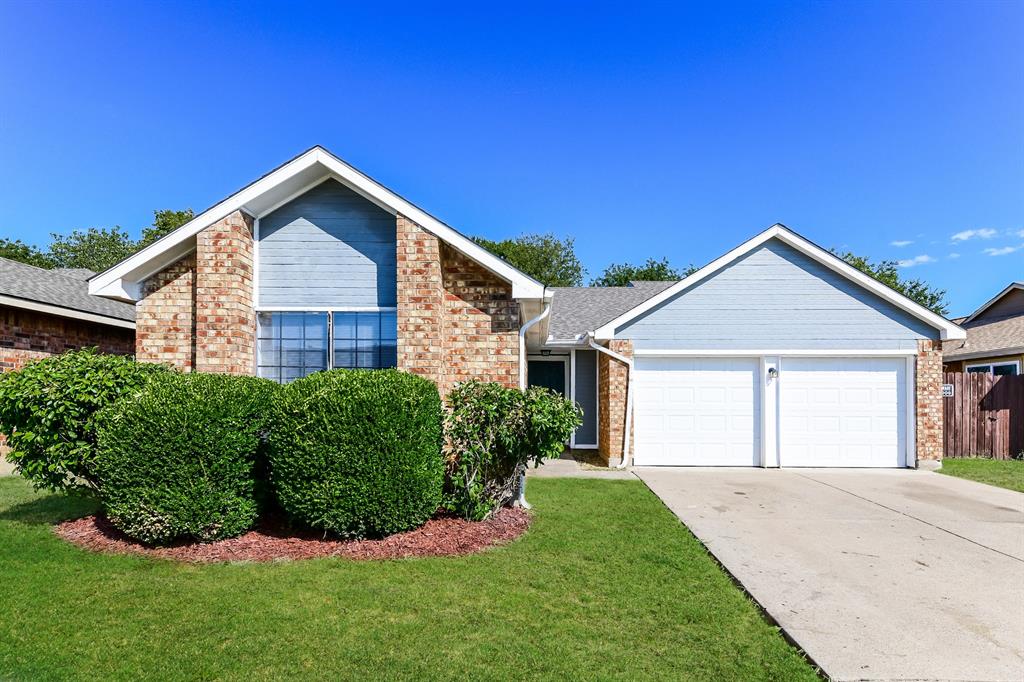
x=522, y=384
x=628, y=426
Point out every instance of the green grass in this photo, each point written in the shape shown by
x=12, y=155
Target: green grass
x=1005, y=473
x=606, y=584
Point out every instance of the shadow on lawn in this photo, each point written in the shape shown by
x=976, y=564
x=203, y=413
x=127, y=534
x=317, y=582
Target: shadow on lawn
x=49, y=510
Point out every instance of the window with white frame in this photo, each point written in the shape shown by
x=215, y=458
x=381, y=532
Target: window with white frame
x=1000, y=369
x=294, y=344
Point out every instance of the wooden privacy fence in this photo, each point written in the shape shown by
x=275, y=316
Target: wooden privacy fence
x=985, y=416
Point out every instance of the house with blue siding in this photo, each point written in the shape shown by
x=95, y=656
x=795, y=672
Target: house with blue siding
x=776, y=354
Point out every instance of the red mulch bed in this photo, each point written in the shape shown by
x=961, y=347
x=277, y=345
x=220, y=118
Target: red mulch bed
x=270, y=541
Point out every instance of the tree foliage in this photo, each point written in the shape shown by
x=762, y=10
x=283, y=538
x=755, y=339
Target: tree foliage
x=887, y=272
x=15, y=249
x=621, y=274
x=544, y=257
x=95, y=248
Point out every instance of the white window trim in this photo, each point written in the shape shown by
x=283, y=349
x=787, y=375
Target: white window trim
x=992, y=365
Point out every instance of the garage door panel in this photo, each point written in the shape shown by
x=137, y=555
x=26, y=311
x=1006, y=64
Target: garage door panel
x=846, y=412
x=697, y=412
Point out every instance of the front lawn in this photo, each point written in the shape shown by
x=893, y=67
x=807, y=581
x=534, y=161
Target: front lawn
x=606, y=584
x=1005, y=473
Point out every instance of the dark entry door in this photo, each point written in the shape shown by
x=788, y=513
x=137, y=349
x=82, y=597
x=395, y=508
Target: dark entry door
x=546, y=373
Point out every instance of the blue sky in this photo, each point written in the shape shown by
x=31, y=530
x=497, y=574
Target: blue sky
x=680, y=130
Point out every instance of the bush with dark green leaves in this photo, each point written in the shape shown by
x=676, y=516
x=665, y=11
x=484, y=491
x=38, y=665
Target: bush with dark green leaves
x=181, y=459
x=493, y=433
x=48, y=411
x=358, y=452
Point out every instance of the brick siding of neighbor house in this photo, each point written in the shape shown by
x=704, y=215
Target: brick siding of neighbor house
x=928, y=391
x=26, y=336
x=612, y=377
x=456, y=319
x=198, y=313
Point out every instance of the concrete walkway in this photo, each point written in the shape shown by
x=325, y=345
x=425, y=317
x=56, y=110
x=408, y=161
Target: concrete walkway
x=879, y=575
x=570, y=468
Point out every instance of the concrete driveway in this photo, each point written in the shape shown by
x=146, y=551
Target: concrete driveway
x=877, y=574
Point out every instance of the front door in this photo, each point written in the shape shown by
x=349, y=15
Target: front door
x=547, y=373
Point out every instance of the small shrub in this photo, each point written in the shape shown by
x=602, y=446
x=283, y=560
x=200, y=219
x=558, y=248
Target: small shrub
x=48, y=411
x=493, y=433
x=358, y=452
x=180, y=460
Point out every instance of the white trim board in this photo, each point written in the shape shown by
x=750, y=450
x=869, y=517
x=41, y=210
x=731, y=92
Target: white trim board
x=59, y=311
x=304, y=171
x=947, y=329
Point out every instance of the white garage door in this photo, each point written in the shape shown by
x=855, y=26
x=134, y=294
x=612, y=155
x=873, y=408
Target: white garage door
x=842, y=412
x=697, y=412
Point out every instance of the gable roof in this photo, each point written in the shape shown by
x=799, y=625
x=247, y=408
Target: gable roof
x=123, y=281
x=987, y=338
x=947, y=329
x=1012, y=286
x=59, y=292
x=578, y=310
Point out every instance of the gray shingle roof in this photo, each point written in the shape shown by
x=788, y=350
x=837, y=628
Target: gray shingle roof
x=66, y=288
x=577, y=310
x=987, y=336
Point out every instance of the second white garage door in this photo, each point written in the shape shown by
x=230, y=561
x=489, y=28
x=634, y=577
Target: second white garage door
x=842, y=412
x=697, y=412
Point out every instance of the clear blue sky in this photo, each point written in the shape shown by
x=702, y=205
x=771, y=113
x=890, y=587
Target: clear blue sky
x=673, y=130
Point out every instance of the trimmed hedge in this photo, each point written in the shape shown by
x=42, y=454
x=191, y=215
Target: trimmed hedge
x=493, y=433
x=180, y=460
x=358, y=452
x=48, y=411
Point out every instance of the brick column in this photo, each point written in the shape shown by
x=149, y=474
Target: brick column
x=928, y=393
x=612, y=376
x=225, y=326
x=165, y=317
x=419, y=292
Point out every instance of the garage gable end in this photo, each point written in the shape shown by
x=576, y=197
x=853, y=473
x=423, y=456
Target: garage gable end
x=776, y=297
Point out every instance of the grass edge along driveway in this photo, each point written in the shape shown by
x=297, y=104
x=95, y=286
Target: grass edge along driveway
x=606, y=584
x=1003, y=473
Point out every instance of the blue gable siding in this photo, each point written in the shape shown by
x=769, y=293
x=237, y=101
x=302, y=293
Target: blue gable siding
x=776, y=298
x=329, y=248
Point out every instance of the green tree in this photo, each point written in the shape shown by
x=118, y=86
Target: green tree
x=621, y=274
x=544, y=257
x=15, y=249
x=164, y=222
x=887, y=272
x=96, y=248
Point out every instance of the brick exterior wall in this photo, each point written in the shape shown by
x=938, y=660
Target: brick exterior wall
x=26, y=336
x=418, y=261
x=225, y=326
x=165, y=317
x=612, y=377
x=456, y=319
x=928, y=408
x=198, y=313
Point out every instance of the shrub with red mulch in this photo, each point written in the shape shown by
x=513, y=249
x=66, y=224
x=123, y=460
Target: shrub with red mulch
x=271, y=540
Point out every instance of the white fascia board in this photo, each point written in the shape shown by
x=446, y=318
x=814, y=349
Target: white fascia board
x=985, y=306
x=57, y=310
x=977, y=355
x=121, y=280
x=947, y=329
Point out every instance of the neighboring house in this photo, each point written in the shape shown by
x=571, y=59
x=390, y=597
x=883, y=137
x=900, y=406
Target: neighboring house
x=46, y=312
x=995, y=337
x=778, y=353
